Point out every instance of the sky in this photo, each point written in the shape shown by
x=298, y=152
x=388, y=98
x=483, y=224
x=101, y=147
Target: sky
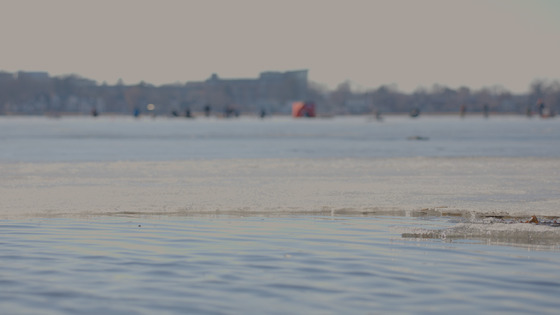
x=405, y=43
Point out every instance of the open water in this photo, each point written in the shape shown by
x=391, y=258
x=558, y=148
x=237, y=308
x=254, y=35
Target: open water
x=212, y=263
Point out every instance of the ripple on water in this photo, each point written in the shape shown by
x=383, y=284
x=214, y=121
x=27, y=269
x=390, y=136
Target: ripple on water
x=230, y=264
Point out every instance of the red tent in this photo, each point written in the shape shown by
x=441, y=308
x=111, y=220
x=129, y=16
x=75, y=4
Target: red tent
x=303, y=109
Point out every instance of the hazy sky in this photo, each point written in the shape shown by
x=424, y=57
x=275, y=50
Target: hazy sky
x=410, y=43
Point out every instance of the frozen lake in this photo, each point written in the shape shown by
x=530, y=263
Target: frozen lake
x=164, y=139
x=345, y=215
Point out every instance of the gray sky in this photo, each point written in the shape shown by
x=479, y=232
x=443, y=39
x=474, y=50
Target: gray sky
x=409, y=43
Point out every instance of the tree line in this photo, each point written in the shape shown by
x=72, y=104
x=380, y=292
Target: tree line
x=439, y=99
x=73, y=94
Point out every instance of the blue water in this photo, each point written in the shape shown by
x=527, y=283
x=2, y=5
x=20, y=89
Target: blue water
x=277, y=264
x=271, y=265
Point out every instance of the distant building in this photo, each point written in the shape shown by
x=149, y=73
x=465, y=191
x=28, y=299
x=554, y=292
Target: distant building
x=36, y=75
x=81, y=82
x=6, y=76
x=273, y=91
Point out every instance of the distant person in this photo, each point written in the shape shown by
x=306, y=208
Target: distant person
x=463, y=111
x=136, y=112
x=207, y=110
x=485, y=110
x=188, y=113
x=415, y=112
x=229, y=111
x=263, y=114
x=541, y=107
x=174, y=113
x=94, y=112
x=378, y=116
x=529, y=111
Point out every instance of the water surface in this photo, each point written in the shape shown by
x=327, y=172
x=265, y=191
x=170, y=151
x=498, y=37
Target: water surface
x=273, y=265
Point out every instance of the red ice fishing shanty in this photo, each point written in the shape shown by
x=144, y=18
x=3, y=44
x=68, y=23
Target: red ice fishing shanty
x=303, y=109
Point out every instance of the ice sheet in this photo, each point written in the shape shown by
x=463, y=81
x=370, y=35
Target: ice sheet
x=469, y=187
x=547, y=232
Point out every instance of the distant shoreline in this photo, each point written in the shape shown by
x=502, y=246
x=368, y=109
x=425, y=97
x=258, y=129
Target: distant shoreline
x=200, y=115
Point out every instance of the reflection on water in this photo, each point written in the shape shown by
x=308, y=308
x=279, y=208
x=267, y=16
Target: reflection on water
x=256, y=264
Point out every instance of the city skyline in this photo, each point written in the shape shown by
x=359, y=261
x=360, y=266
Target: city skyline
x=409, y=44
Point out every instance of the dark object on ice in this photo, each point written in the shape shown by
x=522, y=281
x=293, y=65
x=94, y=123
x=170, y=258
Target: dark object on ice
x=463, y=111
x=94, y=112
x=188, y=113
x=174, y=113
x=544, y=111
x=231, y=111
x=263, y=113
x=418, y=138
x=136, y=112
x=529, y=111
x=533, y=220
x=541, y=107
x=207, y=110
x=415, y=112
x=485, y=110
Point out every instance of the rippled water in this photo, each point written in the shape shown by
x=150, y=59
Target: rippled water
x=273, y=265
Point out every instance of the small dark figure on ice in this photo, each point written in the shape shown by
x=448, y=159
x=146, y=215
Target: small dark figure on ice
x=207, y=110
x=188, y=113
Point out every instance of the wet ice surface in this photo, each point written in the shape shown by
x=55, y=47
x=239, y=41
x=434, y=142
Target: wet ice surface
x=259, y=264
x=518, y=232
x=463, y=186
